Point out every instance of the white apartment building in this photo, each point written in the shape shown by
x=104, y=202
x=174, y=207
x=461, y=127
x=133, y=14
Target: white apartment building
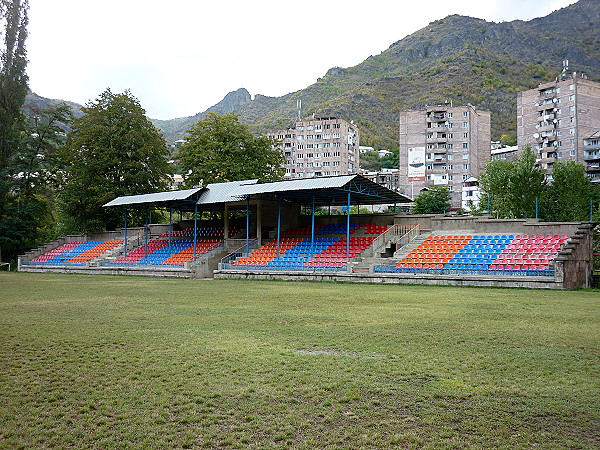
x=556, y=117
x=320, y=147
x=443, y=145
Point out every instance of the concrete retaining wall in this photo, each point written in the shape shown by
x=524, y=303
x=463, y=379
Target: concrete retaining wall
x=427, y=279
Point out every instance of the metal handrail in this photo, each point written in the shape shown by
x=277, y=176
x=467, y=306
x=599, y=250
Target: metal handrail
x=252, y=245
x=407, y=233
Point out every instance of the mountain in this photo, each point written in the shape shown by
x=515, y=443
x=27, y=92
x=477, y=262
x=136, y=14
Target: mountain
x=458, y=58
x=175, y=129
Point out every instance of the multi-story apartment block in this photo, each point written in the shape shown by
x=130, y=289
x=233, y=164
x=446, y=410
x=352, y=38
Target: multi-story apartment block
x=443, y=145
x=320, y=147
x=556, y=118
x=591, y=155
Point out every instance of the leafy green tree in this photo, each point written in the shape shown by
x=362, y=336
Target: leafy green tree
x=219, y=148
x=27, y=219
x=434, y=200
x=513, y=187
x=527, y=182
x=568, y=196
x=13, y=89
x=113, y=150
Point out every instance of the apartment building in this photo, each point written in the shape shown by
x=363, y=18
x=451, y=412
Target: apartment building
x=443, y=145
x=557, y=117
x=591, y=156
x=320, y=147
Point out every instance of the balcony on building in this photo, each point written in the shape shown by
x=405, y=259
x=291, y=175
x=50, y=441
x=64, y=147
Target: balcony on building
x=593, y=167
x=591, y=155
x=437, y=116
x=548, y=104
x=545, y=127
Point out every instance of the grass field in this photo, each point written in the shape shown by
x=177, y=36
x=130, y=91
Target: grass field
x=124, y=362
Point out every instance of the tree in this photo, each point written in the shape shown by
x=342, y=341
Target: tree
x=13, y=78
x=13, y=89
x=434, y=200
x=113, y=150
x=513, y=187
x=568, y=196
x=219, y=148
x=34, y=175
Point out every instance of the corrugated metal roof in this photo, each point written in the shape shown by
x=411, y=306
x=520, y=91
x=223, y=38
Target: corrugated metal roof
x=296, y=185
x=157, y=197
x=223, y=192
x=324, y=191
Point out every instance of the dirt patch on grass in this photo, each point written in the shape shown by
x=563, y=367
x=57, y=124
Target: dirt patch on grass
x=325, y=351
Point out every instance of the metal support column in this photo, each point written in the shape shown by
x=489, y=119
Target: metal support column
x=278, y=226
x=146, y=234
x=195, y=228
x=170, y=225
x=312, y=227
x=348, y=229
x=125, y=234
x=247, y=226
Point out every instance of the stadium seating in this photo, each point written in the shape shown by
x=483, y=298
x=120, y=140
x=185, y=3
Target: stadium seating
x=528, y=254
x=75, y=253
x=322, y=253
x=175, y=252
x=202, y=232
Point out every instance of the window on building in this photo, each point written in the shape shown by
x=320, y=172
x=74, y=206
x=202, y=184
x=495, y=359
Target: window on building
x=310, y=127
x=572, y=108
x=449, y=115
x=465, y=113
x=465, y=167
x=465, y=156
x=300, y=128
x=464, y=177
x=465, y=124
x=465, y=135
x=465, y=145
x=571, y=119
x=450, y=156
x=449, y=146
x=571, y=97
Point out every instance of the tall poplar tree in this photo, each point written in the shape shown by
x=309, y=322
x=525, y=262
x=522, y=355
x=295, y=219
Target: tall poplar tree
x=13, y=89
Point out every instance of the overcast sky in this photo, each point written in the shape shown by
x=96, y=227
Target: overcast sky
x=183, y=56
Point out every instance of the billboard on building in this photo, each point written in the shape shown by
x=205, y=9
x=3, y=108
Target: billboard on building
x=416, y=164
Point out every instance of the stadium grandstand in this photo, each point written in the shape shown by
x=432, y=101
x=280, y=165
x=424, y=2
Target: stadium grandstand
x=272, y=230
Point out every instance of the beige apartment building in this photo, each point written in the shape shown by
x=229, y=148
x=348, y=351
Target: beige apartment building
x=557, y=117
x=320, y=147
x=443, y=145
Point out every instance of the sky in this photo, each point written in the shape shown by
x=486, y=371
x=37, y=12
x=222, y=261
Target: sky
x=183, y=56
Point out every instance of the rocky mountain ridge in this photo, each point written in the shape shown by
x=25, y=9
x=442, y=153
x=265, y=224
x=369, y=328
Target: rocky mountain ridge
x=458, y=58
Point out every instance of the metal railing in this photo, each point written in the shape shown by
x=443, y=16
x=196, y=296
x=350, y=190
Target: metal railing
x=407, y=233
x=226, y=262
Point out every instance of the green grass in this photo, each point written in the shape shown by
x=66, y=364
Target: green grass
x=124, y=362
